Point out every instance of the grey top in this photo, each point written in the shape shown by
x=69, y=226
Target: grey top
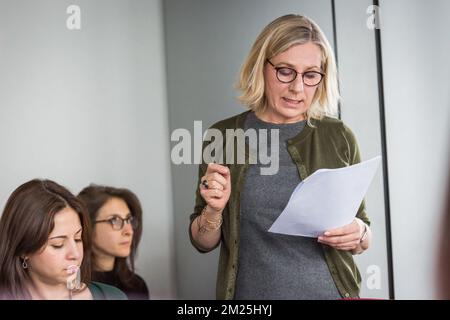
x=276, y=266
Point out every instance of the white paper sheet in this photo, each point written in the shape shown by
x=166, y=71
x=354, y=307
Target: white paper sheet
x=329, y=198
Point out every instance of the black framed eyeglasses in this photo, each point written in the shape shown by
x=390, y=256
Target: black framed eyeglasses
x=288, y=75
x=117, y=223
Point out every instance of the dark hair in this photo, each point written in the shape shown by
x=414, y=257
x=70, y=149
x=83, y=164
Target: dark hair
x=26, y=223
x=94, y=197
x=444, y=249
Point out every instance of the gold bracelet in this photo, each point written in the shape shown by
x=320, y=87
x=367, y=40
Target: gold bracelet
x=210, y=225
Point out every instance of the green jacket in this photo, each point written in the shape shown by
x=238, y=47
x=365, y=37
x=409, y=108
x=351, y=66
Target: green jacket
x=329, y=144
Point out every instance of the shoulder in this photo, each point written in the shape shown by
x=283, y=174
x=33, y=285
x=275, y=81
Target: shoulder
x=328, y=123
x=335, y=127
x=101, y=291
x=140, y=280
x=140, y=290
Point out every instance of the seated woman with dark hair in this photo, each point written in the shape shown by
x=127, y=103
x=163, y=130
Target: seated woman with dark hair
x=116, y=216
x=45, y=246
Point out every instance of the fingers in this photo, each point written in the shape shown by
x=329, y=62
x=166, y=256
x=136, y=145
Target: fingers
x=216, y=177
x=215, y=198
x=340, y=243
x=209, y=183
x=211, y=194
x=346, y=240
x=347, y=248
x=213, y=181
x=345, y=230
x=342, y=238
x=215, y=186
x=214, y=167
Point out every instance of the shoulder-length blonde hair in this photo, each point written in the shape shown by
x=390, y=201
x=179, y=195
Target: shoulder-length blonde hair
x=277, y=37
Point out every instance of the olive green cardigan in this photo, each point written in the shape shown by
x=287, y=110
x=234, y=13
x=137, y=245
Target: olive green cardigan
x=328, y=144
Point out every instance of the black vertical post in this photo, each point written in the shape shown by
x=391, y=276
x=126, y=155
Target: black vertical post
x=384, y=153
x=383, y=140
x=333, y=18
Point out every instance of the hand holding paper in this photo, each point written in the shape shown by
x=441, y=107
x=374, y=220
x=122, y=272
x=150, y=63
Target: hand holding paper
x=327, y=199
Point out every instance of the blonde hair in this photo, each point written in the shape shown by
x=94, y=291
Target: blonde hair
x=277, y=37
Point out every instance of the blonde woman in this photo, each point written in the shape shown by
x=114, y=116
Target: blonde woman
x=289, y=83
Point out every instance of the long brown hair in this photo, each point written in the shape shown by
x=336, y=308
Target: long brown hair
x=26, y=223
x=94, y=197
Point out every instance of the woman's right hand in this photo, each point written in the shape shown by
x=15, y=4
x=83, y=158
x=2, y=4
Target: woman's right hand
x=217, y=188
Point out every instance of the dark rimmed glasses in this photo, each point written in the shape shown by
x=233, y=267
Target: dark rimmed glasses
x=117, y=223
x=288, y=75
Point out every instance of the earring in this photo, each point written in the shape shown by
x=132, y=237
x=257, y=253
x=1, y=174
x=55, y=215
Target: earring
x=24, y=263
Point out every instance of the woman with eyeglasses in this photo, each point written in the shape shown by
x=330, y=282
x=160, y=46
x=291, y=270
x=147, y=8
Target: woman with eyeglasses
x=45, y=247
x=289, y=83
x=116, y=216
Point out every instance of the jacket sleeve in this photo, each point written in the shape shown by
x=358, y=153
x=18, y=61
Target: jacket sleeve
x=200, y=203
x=354, y=157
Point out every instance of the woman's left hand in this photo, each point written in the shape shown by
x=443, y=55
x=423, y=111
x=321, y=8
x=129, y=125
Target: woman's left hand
x=344, y=238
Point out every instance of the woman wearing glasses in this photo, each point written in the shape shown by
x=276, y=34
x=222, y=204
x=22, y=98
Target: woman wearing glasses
x=45, y=246
x=289, y=83
x=116, y=216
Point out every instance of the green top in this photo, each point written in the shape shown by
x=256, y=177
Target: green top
x=329, y=144
x=101, y=291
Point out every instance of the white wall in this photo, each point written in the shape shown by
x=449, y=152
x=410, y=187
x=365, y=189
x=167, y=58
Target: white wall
x=360, y=111
x=90, y=106
x=415, y=50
